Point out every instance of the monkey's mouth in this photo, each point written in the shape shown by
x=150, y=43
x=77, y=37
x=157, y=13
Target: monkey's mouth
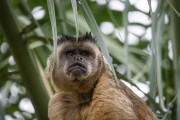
x=77, y=65
x=77, y=69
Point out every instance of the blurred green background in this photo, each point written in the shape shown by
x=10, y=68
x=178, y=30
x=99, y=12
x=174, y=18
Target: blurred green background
x=142, y=37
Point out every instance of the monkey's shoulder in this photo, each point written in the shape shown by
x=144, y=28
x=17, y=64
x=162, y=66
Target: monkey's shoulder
x=117, y=97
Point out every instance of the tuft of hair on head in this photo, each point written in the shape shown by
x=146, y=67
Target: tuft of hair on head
x=86, y=37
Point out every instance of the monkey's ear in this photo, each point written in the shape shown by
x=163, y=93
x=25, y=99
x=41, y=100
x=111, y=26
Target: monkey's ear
x=50, y=66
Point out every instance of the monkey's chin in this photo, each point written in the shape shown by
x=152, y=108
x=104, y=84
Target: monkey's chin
x=76, y=72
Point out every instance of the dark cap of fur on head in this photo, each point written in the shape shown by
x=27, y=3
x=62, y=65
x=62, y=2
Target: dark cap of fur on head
x=86, y=37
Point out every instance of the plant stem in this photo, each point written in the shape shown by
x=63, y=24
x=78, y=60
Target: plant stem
x=176, y=51
x=27, y=65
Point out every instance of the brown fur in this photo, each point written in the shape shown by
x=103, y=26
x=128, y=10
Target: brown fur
x=96, y=96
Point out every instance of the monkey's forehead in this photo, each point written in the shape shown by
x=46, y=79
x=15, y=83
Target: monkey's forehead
x=79, y=46
x=74, y=44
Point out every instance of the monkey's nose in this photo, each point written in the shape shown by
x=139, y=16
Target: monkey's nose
x=77, y=58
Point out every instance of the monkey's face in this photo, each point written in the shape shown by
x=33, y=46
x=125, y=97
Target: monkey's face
x=78, y=60
x=78, y=65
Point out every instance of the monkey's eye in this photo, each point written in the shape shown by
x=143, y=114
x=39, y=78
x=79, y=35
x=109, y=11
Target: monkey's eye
x=69, y=53
x=85, y=53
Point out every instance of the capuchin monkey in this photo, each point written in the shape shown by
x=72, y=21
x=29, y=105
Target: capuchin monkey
x=85, y=87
